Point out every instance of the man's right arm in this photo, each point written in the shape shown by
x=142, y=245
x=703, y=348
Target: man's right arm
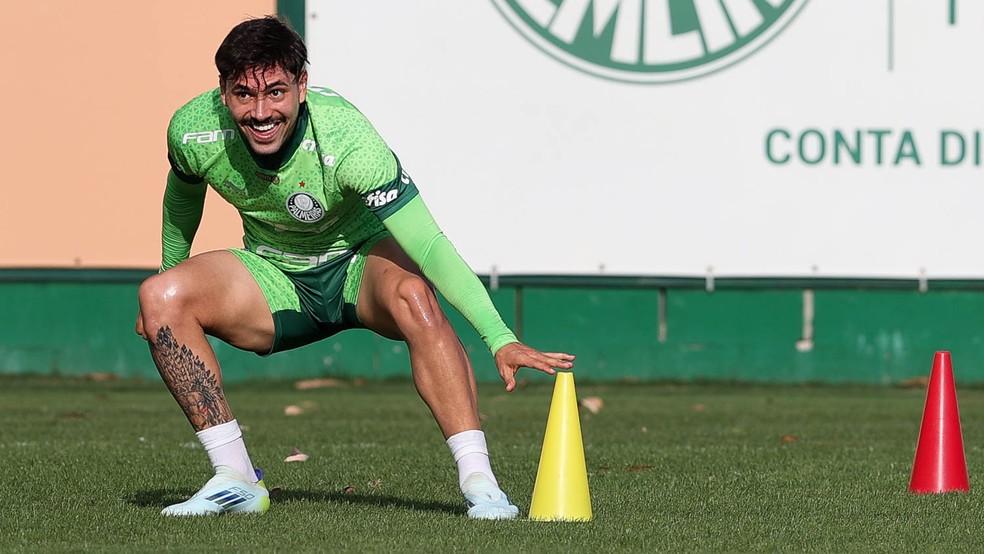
x=184, y=197
x=183, y=205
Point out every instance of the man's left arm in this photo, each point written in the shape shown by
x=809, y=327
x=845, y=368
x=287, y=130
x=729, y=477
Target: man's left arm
x=371, y=170
x=415, y=230
x=417, y=233
x=403, y=212
x=401, y=209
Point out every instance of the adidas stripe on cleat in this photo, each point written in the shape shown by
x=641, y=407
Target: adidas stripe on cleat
x=225, y=493
x=231, y=497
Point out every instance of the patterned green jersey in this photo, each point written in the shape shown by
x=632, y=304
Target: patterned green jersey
x=334, y=185
x=312, y=201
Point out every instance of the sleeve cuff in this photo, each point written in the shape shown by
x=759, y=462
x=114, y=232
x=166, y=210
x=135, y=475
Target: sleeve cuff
x=502, y=340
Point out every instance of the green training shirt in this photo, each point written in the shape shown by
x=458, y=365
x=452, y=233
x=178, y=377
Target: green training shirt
x=332, y=186
x=305, y=204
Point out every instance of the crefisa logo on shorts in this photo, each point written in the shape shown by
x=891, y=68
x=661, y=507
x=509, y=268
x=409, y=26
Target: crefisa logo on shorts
x=649, y=41
x=304, y=207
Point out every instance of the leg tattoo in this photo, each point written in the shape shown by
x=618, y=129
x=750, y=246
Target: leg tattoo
x=195, y=387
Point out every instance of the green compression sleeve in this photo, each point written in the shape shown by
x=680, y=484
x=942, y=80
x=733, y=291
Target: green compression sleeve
x=183, y=205
x=415, y=230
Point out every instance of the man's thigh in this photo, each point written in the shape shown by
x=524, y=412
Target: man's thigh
x=387, y=265
x=225, y=296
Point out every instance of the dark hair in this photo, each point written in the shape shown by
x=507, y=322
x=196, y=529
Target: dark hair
x=257, y=45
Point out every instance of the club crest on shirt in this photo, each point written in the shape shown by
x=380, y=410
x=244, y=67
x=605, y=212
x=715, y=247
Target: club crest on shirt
x=304, y=207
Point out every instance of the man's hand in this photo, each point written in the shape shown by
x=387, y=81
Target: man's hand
x=515, y=355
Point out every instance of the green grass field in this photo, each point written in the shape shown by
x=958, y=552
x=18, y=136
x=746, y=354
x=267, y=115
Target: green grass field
x=88, y=466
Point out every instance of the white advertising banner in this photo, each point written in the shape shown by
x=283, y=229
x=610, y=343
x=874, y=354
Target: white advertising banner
x=667, y=137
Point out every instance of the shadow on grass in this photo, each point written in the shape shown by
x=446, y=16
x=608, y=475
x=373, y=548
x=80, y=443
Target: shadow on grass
x=160, y=498
x=381, y=500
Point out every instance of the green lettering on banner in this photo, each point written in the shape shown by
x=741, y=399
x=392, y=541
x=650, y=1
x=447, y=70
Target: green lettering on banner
x=821, y=146
x=841, y=144
x=878, y=147
x=907, y=149
x=945, y=139
x=879, y=134
x=652, y=41
x=768, y=146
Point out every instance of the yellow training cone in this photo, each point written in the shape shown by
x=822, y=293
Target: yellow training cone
x=561, y=489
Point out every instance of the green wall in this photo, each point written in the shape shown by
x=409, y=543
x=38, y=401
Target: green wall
x=73, y=322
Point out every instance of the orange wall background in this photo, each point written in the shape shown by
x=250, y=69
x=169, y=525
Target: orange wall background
x=88, y=88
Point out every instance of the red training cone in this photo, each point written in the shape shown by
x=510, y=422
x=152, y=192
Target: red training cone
x=940, y=465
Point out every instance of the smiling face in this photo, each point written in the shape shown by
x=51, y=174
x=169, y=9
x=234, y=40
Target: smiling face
x=265, y=105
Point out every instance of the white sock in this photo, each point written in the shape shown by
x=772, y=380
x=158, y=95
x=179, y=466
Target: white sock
x=225, y=447
x=471, y=454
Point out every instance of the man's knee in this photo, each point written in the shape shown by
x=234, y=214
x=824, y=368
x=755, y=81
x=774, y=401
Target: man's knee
x=417, y=308
x=162, y=298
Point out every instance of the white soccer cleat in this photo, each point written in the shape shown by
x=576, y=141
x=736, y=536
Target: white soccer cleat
x=485, y=500
x=225, y=493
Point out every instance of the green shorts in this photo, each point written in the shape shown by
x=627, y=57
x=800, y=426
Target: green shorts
x=312, y=304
